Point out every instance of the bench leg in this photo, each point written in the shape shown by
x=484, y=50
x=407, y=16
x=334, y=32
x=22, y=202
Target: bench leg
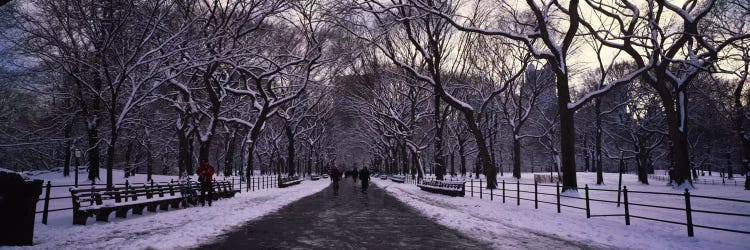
x=138, y=209
x=79, y=218
x=175, y=204
x=122, y=212
x=151, y=207
x=103, y=215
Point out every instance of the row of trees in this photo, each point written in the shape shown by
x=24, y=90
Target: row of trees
x=149, y=83
x=646, y=62
x=411, y=86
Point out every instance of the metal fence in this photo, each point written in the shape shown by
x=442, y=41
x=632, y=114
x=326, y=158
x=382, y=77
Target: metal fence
x=723, y=181
x=507, y=192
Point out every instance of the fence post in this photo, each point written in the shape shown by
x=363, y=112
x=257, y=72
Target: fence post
x=472, y=187
x=503, y=191
x=689, y=214
x=518, y=192
x=536, y=196
x=625, y=198
x=588, y=208
x=557, y=188
x=480, y=189
x=491, y=195
x=46, y=203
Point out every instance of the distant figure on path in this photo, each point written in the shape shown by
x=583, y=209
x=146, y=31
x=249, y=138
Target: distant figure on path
x=364, y=175
x=205, y=178
x=354, y=174
x=335, y=178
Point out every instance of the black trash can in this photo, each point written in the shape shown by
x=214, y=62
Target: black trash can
x=18, y=197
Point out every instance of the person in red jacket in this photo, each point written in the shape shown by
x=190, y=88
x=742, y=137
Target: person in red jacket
x=205, y=177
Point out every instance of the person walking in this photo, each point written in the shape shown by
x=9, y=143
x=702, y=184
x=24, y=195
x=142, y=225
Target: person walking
x=335, y=178
x=205, y=178
x=355, y=174
x=364, y=175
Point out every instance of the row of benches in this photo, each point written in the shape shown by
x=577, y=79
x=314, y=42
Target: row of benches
x=101, y=202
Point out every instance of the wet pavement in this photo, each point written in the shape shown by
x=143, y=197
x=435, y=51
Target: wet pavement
x=349, y=219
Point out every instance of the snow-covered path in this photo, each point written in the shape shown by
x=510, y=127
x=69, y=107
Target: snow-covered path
x=174, y=229
x=350, y=219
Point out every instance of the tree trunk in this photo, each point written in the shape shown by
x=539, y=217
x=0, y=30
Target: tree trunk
x=642, y=160
x=110, y=164
x=567, y=134
x=111, y=153
x=68, y=148
x=439, y=159
x=453, y=163
x=149, y=160
x=229, y=159
x=404, y=160
x=250, y=159
x=290, y=149
x=484, y=153
x=598, y=143
x=586, y=154
x=677, y=128
x=516, y=157
x=462, y=154
x=93, y=151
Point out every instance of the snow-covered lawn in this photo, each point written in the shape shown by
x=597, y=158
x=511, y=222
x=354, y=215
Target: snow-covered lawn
x=174, y=229
x=499, y=224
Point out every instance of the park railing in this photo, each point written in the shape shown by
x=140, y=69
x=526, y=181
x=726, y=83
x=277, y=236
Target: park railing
x=723, y=181
x=256, y=182
x=621, y=207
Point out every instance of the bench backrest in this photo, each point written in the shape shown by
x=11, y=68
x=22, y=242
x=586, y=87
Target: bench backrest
x=97, y=196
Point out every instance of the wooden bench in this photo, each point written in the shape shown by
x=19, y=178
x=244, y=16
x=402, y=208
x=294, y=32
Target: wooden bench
x=398, y=178
x=223, y=189
x=101, y=202
x=315, y=177
x=289, y=181
x=383, y=177
x=451, y=188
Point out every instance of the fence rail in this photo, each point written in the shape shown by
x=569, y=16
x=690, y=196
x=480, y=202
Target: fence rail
x=723, y=181
x=508, y=192
x=256, y=182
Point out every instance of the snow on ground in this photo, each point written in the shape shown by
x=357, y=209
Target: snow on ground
x=501, y=225
x=174, y=229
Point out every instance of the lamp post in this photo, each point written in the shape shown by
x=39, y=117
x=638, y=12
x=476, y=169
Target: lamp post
x=78, y=159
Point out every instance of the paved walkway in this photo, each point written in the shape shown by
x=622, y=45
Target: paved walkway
x=350, y=219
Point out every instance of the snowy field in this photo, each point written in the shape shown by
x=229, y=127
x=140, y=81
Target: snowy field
x=173, y=229
x=498, y=224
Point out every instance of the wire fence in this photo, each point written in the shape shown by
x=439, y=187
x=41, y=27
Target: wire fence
x=530, y=193
x=257, y=182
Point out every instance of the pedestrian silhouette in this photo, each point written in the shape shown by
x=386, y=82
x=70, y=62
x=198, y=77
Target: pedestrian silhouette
x=364, y=175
